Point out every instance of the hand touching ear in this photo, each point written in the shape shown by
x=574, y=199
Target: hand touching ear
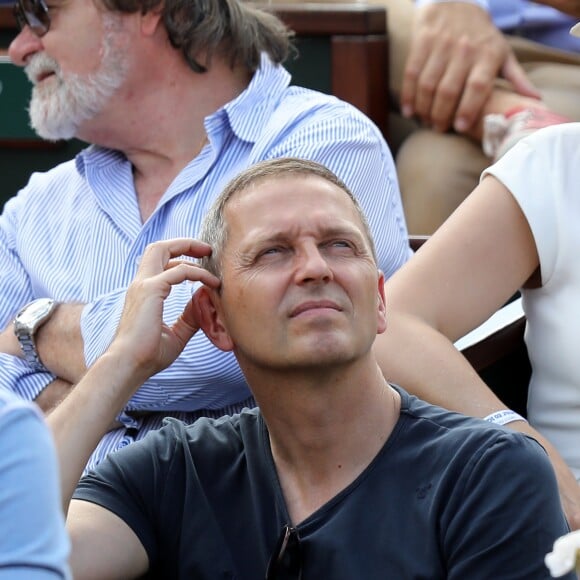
x=143, y=340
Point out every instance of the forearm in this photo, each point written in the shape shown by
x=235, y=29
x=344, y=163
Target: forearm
x=143, y=346
x=59, y=343
x=424, y=362
x=439, y=374
x=567, y=484
x=87, y=413
x=53, y=395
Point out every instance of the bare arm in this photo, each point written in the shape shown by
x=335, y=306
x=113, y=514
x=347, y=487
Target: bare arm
x=103, y=547
x=143, y=346
x=60, y=343
x=53, y=395
x=468, y=269
x=455, y=56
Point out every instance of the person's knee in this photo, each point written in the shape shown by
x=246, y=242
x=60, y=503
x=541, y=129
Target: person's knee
x=436, y=173
x=559, y=85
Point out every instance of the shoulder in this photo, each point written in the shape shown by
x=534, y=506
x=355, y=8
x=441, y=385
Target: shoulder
x=43, y=188
x=542, y=172
x=226, y=436
x=204, y=440
x=306, y=106
x=545, y=156
x=469, y=443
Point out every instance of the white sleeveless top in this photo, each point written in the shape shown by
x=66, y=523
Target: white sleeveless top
x=543, y=174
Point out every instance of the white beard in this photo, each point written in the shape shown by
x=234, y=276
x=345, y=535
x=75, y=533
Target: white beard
x=62, y=103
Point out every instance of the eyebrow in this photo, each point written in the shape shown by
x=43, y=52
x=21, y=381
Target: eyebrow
x=326, y=232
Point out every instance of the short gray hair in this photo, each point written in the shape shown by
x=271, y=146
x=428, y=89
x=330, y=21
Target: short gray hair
x=214, y=229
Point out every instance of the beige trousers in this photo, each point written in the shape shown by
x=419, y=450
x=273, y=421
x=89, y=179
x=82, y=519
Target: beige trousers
x=437, y=171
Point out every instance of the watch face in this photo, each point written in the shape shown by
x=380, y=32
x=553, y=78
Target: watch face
x=34, y=311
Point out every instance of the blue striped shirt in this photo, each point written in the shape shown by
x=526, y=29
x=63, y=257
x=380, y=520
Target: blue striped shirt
x=75, y=234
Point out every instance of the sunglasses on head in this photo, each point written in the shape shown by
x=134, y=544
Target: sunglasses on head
x=34, y=14
x=286, y=560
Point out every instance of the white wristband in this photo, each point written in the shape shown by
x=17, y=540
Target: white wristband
x=503, y=417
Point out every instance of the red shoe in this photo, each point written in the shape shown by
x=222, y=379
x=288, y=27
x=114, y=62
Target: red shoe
x=502, y=132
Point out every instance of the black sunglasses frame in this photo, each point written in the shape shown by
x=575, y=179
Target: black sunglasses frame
x=286, y=560
x=34, y=14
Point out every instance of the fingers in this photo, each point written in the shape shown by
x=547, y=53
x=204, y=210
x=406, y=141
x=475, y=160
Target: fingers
x=513, y=72
x=452, y=86
x=157, y=255
x=455, y=56
x=451, y=89
x=187, y=324
x=160, y=257
x=177, y=272
x=478, y=87
x=418, y=56
x=422, y=77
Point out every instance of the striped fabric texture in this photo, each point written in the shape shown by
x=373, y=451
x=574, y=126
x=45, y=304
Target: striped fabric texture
x=75, y=234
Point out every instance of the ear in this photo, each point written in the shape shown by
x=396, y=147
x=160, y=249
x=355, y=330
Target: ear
x=150, y=20
x=382, y=305
x=206, y=302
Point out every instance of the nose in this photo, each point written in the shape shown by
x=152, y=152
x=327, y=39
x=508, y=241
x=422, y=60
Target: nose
x=24, y=46
x=312, y=266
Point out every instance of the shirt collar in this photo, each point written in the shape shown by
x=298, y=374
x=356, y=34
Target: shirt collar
x=250, y=111
x=95, y=155
x=247, y=114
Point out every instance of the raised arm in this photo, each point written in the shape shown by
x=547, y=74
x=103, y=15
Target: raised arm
x=334, y=134
x=143, y=345
x=464, y=273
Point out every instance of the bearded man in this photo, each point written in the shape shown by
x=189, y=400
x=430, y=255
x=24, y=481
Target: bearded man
x=175, y=98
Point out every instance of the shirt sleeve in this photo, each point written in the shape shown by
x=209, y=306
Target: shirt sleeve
x=33, y=541
x=15, y=284
x=15, y=289
x=504, y=514
x=544, y=186
x=18, y=376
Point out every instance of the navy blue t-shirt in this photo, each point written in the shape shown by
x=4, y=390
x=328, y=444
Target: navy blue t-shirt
x=447, y=497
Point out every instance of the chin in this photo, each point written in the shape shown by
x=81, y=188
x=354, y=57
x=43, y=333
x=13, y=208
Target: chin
x=328, y=354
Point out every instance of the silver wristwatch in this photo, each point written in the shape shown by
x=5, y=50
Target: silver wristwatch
x=26, y=324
